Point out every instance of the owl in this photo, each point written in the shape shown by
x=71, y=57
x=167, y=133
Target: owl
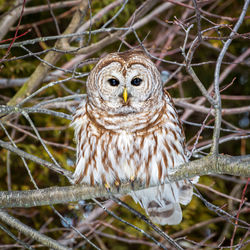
x=127, y=129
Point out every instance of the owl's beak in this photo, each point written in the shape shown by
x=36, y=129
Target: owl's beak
x=125, y=94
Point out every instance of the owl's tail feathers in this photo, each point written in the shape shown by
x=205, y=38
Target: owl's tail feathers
x=170, y=213
x=162, y=203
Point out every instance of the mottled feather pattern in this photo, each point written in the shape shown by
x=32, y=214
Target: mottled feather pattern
x=142, y=139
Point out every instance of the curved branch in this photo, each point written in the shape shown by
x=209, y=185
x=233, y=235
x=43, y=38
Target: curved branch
x=238, y=165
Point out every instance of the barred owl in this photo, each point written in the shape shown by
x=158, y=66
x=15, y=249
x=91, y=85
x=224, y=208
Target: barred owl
x=127, y=129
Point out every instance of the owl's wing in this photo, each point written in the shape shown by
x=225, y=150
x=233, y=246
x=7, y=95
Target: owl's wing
x=186, y=190
x=79, y=114
x=167, y=95
x=162, y=203
x=79, y=122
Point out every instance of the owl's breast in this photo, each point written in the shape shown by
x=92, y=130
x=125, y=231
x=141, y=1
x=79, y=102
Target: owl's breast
x=120, y=155
x=124, y=141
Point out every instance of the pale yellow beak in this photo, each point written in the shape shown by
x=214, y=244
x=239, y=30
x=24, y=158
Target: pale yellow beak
x=125, y=94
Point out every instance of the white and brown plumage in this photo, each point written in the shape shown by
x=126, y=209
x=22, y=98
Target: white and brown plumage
x=126, y=129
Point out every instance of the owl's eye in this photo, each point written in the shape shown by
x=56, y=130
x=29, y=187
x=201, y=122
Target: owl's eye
x=136, y=81
x=113, y=82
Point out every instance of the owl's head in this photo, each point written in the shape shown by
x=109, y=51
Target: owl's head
x=124, y=83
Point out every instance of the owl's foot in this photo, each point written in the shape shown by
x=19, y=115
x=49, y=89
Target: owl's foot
x=117, y=184
x=107, y=186
x=132, y=179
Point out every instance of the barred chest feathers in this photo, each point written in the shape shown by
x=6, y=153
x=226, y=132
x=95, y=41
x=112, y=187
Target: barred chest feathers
x=119, y=155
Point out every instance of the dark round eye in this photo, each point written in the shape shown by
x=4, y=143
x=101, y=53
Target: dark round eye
x=136, y=81
x=113, y=82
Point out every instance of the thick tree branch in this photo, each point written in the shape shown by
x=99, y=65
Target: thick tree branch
x=238, y=165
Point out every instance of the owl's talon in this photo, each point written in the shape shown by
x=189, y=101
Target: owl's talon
x=107, y=186
x=132, y=179
x=117, y=184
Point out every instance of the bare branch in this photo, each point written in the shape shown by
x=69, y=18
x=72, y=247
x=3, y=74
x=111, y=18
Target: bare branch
x=8, y=20
x=52, y=57
x=36, y=159
x=238, y=166
x=217, y=106
x=30, y=232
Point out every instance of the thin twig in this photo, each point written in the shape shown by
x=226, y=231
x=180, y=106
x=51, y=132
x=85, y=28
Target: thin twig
x=30, y=232
x=147, y=221
x=129, y=224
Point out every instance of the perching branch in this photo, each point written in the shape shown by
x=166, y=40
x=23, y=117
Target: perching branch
x=238, y=166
